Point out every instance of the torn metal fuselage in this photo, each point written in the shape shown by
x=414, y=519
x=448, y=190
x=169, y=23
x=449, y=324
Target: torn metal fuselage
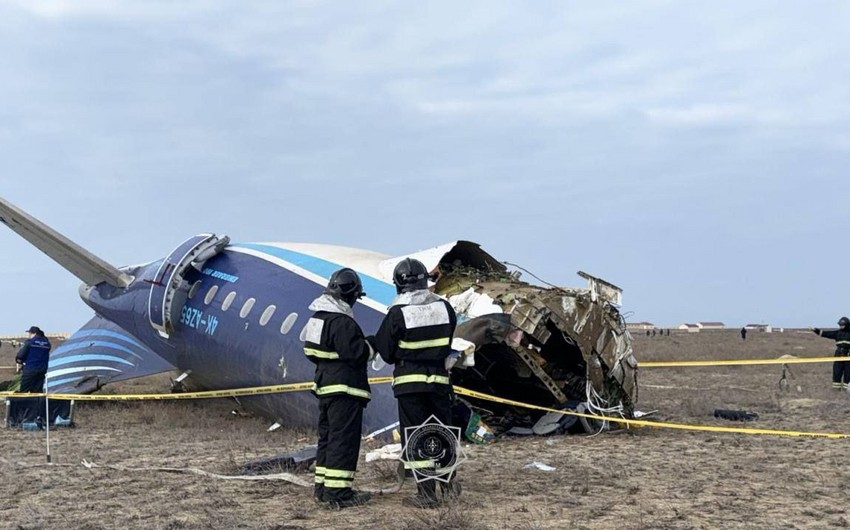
x=548, y=346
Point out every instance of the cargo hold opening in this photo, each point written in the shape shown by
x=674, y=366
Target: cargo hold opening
x=500, y=369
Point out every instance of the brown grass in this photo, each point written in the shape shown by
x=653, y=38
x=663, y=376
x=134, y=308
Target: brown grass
x=642, y=479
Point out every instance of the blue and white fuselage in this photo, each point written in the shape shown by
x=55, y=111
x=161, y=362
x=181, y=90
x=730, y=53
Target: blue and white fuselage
x=230, y=316
x=239, y=326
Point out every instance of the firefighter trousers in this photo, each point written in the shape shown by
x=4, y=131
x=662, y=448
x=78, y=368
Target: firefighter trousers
x=340, y=429
x=413, y=410
x=841, y=371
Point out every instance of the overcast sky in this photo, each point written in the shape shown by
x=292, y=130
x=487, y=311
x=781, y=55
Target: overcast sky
x=694, y=153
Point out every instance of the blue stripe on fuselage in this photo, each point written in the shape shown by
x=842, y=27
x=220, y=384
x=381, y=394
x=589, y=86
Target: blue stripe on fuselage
x=376, y=289
x=88, y=357
x=95, y=332
x=60, y=382
x=65, y=348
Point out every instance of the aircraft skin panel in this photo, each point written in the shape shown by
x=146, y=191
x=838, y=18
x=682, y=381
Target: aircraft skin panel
x=237, y=351
x=100, y=352
x=320, y=270
x=106, y=334
x=90, y=357
x=363, y=261
x=430, y=258
x=381, y=266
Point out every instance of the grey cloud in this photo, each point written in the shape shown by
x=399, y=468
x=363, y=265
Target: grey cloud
x=637, y=141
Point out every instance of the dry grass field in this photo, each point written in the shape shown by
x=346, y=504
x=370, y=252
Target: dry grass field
x=642, y=478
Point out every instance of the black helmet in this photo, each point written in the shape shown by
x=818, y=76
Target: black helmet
x=844, y=322
x=410, y=275
x=345, y=285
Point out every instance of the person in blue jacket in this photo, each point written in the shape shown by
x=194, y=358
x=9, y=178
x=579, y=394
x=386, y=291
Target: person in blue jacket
x=32, y=360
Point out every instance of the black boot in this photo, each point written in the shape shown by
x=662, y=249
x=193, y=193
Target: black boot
x=346, y=498
x=450, y=490
x=426, y=496
x=319, y=492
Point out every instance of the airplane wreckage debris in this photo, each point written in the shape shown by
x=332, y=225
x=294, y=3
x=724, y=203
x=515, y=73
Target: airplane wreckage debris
x=548, y=346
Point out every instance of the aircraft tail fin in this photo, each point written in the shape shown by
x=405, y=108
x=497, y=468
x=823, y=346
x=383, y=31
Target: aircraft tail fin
x=77, y=260
x=100, y=352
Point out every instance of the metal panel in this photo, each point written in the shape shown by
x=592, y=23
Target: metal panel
x=169, y=289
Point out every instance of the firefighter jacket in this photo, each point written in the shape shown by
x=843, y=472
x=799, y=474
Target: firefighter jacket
x=34, y=354
x=335, y=343
x=416, y=337
x=842, y=340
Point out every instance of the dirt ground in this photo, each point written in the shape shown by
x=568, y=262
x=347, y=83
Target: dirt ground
x=642, y=478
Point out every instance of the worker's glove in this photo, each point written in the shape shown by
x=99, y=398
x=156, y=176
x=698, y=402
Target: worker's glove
x=378, y=364
x=465, y=351
x=18, y=367
x=375, y=359
x=451, y=360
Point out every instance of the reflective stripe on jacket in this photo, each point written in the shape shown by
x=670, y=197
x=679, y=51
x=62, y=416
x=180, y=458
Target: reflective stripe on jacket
x=842, y=340
x=335, y=343
x=416, y=338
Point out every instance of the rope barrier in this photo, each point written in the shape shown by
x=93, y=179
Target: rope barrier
x=297, y=387
x=742, y=362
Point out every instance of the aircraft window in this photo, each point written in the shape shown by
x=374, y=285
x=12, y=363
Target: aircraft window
x=267, y=315
x=288, y=322
x=194, y=290
x=249, y=304
x=211, y=294
x=228, y=301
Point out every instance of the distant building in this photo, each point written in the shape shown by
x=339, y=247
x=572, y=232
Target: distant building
x=690, y=328
x=703, y=326
x=763, y=328
x=640, y=326
x=22, y=337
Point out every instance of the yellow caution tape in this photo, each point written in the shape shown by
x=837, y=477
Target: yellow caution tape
x=298, y=387
x=742, y=362
x=207, y=394
x=645, y=423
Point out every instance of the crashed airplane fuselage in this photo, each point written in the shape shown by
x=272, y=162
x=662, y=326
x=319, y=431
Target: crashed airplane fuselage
x=550, y=346
x=229, y=316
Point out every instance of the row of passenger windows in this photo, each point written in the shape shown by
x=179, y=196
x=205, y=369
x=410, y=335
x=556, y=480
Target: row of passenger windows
x=267, y=315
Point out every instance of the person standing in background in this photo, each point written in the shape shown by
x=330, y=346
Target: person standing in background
x=841, y=336
x=32, y=360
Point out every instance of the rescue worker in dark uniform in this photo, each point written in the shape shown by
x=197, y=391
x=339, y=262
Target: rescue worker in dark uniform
x=335, y=343
x=416, y=337
x=841, y=336
x=32, y=360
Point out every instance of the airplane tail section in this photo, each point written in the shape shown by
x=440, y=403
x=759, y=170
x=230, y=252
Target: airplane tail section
x=78, y=261
x=99, y=353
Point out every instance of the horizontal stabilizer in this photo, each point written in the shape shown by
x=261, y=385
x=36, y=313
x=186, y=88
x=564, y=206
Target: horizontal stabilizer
x=78, y=261
x=100, y=353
